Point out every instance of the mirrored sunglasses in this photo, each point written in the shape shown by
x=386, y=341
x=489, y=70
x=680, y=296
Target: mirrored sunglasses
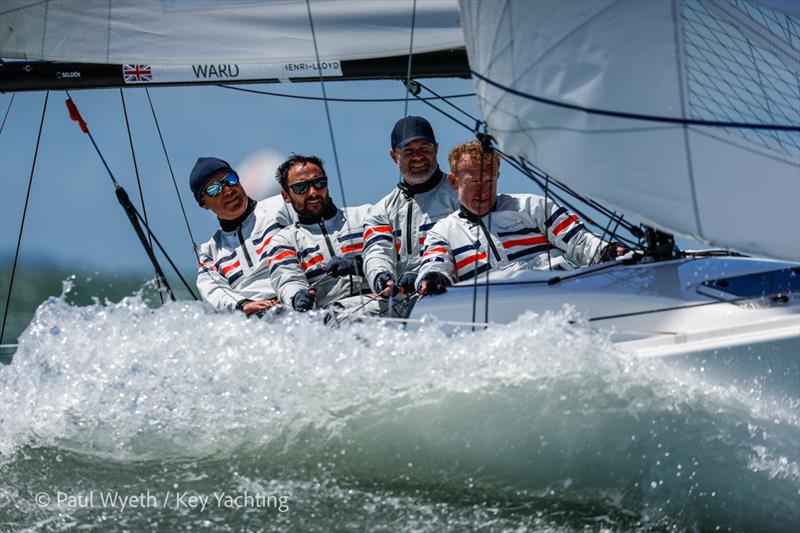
x=231, y=180
x=302, y=187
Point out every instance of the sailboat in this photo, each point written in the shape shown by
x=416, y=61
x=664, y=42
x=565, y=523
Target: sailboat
x=681, y=114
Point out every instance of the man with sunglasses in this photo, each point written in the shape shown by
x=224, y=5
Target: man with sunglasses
x=396, y=226
x=316, y=261
x=233, y=272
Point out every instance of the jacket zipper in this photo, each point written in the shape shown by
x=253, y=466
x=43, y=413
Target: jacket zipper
x=408, y=225
x=333, y=254
x=244, y=248
x=489, y=238
x=327, y=240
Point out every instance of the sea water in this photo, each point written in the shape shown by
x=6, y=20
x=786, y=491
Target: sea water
x=118, y=416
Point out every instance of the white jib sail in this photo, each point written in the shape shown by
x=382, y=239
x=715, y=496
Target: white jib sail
x=709, y=60
x=185, y=32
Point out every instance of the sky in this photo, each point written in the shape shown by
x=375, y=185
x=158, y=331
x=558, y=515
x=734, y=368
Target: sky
x=73, y=217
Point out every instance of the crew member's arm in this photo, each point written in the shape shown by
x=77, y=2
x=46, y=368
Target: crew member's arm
x=213, y=287
x=565, y=231
x=288, y=279
x=380, y=255
x=437, y=270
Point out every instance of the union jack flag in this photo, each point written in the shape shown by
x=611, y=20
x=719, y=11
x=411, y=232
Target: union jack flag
x=137, y=73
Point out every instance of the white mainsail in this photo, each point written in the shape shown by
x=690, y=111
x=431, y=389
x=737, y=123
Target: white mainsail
x=181, y=32
x=688, y=59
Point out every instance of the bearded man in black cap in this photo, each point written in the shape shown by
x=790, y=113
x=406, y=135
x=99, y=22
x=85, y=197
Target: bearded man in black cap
x=395, y=227
x=233, y=272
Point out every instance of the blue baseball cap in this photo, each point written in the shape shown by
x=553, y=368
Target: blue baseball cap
x=411, y=129
x=205, y=169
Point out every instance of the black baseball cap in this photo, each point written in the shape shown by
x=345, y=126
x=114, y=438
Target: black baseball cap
x=411, y=129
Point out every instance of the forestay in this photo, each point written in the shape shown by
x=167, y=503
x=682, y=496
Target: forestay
x=686, y=59
x=255, y=38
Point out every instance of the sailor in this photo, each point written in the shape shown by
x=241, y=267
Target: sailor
x=233, y=272
x=396, y=226
x=493, y=230
x=316, y=261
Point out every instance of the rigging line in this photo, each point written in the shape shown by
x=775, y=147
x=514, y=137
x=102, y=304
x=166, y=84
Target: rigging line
x=436, y=96
x=547, y=214
x=122, y=196
x=167, y=257
x=603, y=210
x=169, y=165
x=607, y=212
x=85, y=129
x=488, y=236
x=531, y=175
x=8, y=109
x=637, y=116
x=330, y=123
x=345, y=100
x=139, y=183
x=445, y=113
x=410, y=56
x=172, y=173
x=588, y=201
x=24, y=213
x=524, y=170
x=328, y=114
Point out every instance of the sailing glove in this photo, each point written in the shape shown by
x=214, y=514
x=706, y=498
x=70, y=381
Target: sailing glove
x=302, y=301
x=380, y=283
x=408, y=282
x=340, y=266
x=436, y=283
x=611, y=251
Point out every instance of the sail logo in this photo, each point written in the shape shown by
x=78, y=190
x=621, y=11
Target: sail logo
x=215, y=71
x=314, y=67
x=67, y=75
x=137, y=73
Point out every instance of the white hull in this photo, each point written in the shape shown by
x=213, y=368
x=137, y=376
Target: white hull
x=651, y=309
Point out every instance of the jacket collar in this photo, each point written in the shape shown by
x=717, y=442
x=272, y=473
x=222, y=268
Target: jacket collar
x=410, y=190
x=463, y=212
x=328, y=212
x=232, y=225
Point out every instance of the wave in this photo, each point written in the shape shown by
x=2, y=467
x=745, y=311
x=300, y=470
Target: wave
x=544, y=407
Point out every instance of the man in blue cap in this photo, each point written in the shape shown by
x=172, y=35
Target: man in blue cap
x=233, y=272
x=395, y=227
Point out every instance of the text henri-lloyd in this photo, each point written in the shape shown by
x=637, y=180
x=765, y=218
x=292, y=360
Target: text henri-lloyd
x=174, y=500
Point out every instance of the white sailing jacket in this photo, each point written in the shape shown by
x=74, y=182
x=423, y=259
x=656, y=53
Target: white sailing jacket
x=233, y=264
x=396, y=226
x=298, y=252
x=518, y=231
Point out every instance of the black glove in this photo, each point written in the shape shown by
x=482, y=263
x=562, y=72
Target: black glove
x=610, y=251
x=303, y=301
x=407, y=282
x=340, y=266
x=380, y=283
x=436, y=283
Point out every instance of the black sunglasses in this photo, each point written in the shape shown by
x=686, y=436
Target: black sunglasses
x=301, y=187
x=230, y=179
